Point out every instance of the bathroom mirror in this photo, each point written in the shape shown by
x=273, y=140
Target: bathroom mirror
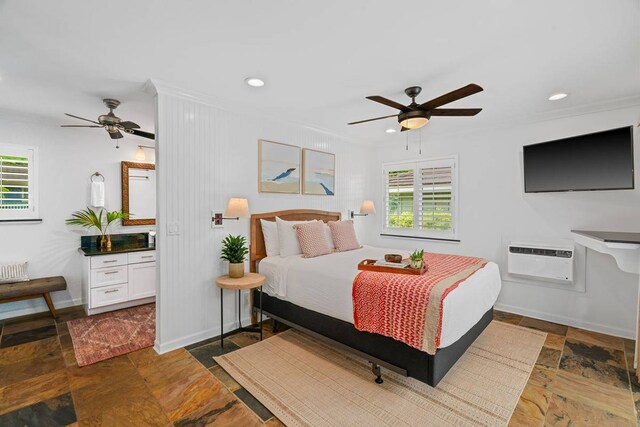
x=139, y=193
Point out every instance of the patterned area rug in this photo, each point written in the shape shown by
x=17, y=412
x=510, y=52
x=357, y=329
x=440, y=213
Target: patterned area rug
x=306, y=382
x=112, y=334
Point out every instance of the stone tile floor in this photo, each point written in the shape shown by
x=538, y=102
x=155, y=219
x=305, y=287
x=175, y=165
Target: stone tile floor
x=581, y=378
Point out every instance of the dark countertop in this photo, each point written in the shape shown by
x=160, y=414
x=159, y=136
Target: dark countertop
x=119, y=249
x=610, y=236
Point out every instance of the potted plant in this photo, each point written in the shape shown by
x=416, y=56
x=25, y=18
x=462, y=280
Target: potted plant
x=89, y=219
x=416, y=259
x=234, y=250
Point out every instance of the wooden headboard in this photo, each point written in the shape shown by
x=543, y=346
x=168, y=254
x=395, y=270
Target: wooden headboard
x=257, y=250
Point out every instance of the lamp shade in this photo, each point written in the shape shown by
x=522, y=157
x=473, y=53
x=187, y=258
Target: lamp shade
x=367, y=207
x=140, y=153
x=237, y=208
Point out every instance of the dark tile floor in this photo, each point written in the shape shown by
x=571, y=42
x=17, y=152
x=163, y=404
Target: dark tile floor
x=580, y=378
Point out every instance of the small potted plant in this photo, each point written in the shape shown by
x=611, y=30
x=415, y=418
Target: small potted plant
x=416, y=259
x=88, y=219
x=234, y=250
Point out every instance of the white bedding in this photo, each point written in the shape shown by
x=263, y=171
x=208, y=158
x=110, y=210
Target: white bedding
x=323, y=284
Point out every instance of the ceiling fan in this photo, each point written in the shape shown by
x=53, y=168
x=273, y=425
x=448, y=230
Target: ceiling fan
x=414, y=115
x=112, y=123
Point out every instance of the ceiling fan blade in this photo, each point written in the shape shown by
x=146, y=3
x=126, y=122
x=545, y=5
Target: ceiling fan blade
x=389, y=103
x=141, y=133
x=455, y=111
x=81, y=118
x=80, y=126
x=463, y=92
x=115, y=135
x=129, y=125
x=370, y=120
x=402, y=129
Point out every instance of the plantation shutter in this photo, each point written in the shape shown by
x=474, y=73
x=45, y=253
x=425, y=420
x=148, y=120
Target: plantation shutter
x=399, y=184
x=16, y=183
x=435, y=202
x=420, y=198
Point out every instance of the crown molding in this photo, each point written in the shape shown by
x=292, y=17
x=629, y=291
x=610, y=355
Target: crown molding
x=156, y=87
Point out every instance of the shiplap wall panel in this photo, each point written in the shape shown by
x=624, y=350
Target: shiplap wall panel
x=206, y=155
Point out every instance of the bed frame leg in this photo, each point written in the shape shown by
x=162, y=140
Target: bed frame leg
x=274, y=325
x=375, y=368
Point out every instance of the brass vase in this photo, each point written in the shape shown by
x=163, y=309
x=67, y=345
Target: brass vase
x=236, y=270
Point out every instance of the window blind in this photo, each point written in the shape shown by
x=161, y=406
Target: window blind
x=17, y=182
x=435, y=203
x=399, y=198
x=14, y=183
x=420, y=198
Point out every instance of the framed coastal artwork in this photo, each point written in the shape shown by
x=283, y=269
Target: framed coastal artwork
x=318, y=172
x=278, y=168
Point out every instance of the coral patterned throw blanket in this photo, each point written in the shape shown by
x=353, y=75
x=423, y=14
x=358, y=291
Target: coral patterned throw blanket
x=408, y=308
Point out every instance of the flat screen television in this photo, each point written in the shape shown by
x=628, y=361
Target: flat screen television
x=597, y=161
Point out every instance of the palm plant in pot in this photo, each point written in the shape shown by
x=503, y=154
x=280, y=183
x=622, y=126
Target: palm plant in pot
x=88, y=218
x=234, y=250
x=416, y=259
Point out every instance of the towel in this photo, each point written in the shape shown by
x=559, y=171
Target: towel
x=97, y=194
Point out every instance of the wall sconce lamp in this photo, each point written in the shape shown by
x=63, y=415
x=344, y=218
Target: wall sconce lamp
x=140, y=151
x=366, y=207
x=236, y=209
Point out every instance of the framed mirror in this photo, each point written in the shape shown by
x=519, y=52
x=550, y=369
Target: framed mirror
x=139, y=193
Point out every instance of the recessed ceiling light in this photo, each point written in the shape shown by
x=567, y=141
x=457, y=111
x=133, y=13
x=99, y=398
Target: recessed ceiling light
x=254, y=81
x=390, y=130
x=557, y=96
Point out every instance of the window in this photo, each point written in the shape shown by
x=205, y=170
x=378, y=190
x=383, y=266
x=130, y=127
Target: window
x=421, y=198
x=18, y=193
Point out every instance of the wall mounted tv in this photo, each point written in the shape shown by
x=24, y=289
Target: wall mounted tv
x=597, y=161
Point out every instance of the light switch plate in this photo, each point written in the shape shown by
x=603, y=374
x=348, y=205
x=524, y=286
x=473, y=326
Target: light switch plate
x=173, y=229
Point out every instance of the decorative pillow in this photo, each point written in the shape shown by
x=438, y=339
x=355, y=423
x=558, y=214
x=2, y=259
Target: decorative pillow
x=287, y=237
x=327, y=232
x=271, y=240
x=13, y=272
x=344, y=235
x=313, y=239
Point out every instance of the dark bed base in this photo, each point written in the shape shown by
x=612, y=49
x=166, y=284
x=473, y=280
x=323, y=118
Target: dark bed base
x=417, y=364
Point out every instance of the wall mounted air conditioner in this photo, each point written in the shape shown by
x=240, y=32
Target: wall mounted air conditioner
x=541, y=261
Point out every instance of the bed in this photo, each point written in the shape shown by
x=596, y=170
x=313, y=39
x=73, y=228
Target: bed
x=314, y=295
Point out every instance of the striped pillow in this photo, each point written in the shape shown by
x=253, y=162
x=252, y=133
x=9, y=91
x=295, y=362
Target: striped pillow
x=344, y=235
x=313, y=239
x=13, y=272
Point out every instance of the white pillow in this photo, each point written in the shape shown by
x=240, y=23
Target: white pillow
x=327, y=233
x=13, y=272
x=288, y=238
x=271, y=239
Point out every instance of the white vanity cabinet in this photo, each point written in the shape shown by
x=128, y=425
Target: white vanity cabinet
x=115, y=281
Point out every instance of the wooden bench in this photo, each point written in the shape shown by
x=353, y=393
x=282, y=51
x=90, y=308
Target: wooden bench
x=36, y=288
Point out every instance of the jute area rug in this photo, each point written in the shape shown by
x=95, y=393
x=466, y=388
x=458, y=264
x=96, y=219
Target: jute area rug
x=306, y=382
x=112, y=334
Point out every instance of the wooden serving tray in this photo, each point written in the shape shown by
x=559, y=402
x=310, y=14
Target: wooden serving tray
x=368, y=265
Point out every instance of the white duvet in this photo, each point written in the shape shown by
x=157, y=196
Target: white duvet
x=323, y=284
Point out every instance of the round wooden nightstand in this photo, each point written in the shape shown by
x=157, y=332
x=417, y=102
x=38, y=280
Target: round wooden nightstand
x=248, y=281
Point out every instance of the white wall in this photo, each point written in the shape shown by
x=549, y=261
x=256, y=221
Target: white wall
x=494, y=210
x=67, y=158
x=205, y=156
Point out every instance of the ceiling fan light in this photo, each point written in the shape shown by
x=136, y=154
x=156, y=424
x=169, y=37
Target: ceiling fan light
x=414, y=122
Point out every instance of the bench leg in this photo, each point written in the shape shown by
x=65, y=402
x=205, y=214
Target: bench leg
x=52, y=309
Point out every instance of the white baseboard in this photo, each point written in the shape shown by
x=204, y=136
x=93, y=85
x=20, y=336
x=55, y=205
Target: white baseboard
x=563, y=320
x=39, y=306
x=161, y=348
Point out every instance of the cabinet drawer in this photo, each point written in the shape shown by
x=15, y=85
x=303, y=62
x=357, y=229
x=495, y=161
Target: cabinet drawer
x=108, y=276
x=108, y=295
x=101, y=261
x=144, y=256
